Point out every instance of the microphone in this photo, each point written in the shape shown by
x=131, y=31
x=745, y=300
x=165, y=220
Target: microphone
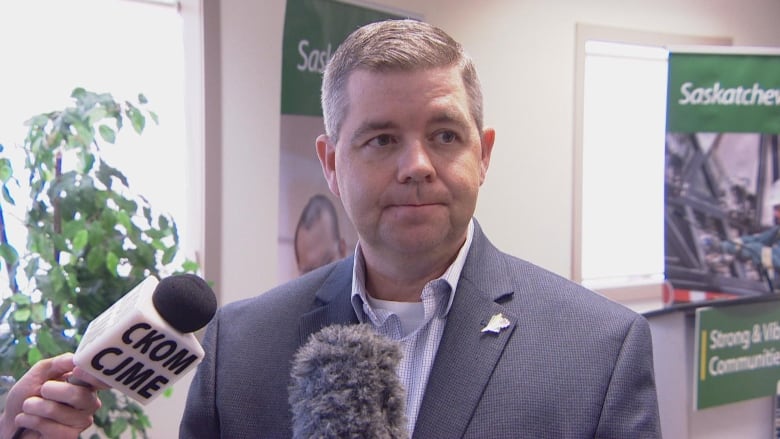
x=345, y=385
x=144, y=342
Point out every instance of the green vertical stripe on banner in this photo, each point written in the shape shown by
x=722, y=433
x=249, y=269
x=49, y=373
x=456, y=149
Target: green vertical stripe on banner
x=313, y=29
x=723, y=93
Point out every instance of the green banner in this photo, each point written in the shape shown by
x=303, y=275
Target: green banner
x=737, y=353
x=723, y=93
x=313, y=29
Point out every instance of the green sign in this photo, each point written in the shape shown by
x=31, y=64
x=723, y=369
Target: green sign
x=313, y=29
x=737, y=353
x=723, y=93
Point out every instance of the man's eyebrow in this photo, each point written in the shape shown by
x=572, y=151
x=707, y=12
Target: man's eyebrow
x=448, y=117
x=444, y=117
x=370, y=126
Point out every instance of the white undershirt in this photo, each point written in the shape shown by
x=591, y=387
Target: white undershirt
x=411, y=314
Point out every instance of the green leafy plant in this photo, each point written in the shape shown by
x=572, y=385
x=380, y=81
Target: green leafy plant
x=90, y=240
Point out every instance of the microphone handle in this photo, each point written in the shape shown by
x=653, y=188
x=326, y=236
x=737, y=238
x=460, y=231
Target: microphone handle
x=71, y=379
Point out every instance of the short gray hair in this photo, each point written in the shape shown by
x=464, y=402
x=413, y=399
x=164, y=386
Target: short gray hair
x=393, y=45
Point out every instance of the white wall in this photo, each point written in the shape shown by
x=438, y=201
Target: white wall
x=525, y=54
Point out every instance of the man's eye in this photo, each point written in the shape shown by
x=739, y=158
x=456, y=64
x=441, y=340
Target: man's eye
x=381, y=140
x=446, y=137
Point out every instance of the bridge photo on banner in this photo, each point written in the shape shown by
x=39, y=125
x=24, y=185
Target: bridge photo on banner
x=722, y=174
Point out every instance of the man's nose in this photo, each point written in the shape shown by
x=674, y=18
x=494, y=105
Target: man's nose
x=415, y=164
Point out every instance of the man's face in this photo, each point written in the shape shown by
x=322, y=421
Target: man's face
x=317, y=246
x=409, y=161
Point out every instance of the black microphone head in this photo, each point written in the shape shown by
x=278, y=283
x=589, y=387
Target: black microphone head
x=345, y=385
x=185, y=301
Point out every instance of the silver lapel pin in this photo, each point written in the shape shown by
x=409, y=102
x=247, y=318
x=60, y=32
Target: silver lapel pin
x=496, y=324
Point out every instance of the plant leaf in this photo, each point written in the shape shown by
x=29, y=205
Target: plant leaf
x=136, y=118
x=21, y=299
x=6, y=171
x=106, y=171
x=34, y=355
x=117, y=427
x=107, y=133
x=38, y=313
x=168, y=255
x=78, y=93
x=124, y=219
x=22, y=315
x=7, y=196
x=112, y=261
x=190, y=266
x=95, y=259
x=84, y=132
x=96, y=114
x=87, y=160
x=80, y=240
x=9, y=254
x=47, y=344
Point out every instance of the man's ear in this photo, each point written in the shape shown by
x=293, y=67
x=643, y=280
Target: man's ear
x=487, y=140
x=326, y=151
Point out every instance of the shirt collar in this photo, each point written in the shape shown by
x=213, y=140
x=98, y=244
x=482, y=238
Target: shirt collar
x=451, y=276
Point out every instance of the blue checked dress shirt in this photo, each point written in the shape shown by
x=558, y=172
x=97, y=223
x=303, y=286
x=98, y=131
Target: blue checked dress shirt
x=419, y=346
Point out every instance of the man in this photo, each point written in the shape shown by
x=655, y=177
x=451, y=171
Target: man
x=318, y=240
x=493, y=346
x=44, y=405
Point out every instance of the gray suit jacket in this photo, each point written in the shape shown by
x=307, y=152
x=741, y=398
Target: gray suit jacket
x=571, y=365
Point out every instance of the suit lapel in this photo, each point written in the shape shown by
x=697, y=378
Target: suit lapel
x=466, y=356
x=334, y=295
